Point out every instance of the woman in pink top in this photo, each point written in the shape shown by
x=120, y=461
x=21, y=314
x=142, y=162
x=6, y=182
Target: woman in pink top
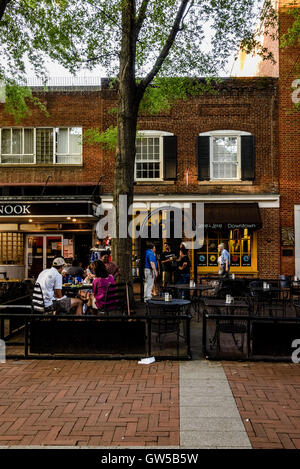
x=100, y=283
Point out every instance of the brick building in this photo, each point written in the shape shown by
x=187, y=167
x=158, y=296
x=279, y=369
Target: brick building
x=220, y=149
x=287, y=71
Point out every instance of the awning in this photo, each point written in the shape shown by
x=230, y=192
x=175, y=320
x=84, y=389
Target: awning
x=232, y=216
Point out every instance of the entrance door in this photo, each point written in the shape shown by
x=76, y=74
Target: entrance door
x=40, y=252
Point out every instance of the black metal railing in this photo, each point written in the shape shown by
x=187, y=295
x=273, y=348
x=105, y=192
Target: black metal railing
x=29, y=319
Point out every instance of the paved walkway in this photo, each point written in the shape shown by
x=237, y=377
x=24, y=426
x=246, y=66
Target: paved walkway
x=195, y=404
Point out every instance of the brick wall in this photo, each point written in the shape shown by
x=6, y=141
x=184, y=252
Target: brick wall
x=289, y=139
x=65, y=109
x=268, y=244
x=241, y=104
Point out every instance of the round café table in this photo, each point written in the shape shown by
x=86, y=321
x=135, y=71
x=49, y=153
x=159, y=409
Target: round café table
x=197, y=295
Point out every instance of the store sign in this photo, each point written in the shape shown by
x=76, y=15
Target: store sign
x=15, y=209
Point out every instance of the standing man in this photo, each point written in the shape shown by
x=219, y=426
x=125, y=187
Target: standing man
x=167, y=259
x=224, y=261
x=111, y=267
x=150, y=272
x=50, y=281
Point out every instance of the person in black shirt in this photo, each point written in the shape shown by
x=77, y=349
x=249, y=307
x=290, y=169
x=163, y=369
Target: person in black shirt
x=183, y=269
x=167, y=258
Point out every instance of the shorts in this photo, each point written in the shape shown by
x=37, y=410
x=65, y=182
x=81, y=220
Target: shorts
x=62, y=306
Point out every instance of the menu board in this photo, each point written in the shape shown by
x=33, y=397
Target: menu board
x=68, y=248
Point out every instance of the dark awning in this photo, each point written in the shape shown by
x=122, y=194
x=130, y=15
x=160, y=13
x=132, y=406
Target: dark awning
x=232, y=216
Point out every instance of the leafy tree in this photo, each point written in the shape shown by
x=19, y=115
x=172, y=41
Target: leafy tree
x=152, y=48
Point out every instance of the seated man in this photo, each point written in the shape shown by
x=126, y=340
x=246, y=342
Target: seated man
x=50, y=281
x=75, y=269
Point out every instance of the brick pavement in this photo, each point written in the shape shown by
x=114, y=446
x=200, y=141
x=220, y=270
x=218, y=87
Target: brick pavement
x=89, y=403
x=268, y=399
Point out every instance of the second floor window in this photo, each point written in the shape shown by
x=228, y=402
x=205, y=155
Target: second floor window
x=41, y=145
x=156, y=156
x=226, y=155
x=148, y=164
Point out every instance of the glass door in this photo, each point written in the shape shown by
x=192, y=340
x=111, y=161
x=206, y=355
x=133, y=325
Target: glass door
x=53, y=249
x=40, y=252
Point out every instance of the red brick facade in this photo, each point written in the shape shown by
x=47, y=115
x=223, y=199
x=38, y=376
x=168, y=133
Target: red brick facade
x=241, y=104
x=289, y=139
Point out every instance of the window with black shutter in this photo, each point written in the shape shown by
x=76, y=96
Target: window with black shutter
x=170, y=157
x=203, y=159
x=225, y=155
x=247, y=157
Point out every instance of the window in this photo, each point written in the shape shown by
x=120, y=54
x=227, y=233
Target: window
x=41, y=145
x=225, y=158
x=238, y=242
x=17, y=146
x=152, y=149
x=11, y=248
x=225, y=155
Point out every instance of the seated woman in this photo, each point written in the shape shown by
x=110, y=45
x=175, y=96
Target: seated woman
x=101, y=283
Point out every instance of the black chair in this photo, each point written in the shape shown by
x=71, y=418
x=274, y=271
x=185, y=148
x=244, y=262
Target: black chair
x=116, y=299
x=166, y=321
x=297, y=309
x=234, y=327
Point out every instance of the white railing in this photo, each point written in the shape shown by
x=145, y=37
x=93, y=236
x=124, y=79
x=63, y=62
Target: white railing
x=65, y=81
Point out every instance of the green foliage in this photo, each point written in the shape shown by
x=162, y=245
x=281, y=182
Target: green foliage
x=17, y=99
x=108, y=138
x=292, y=36
x=164, y=92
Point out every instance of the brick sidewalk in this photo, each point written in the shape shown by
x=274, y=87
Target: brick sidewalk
x=268, y=399
x=89, y=403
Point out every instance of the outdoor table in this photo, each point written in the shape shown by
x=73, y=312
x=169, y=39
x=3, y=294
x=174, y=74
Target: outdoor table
x=197, y=295
x=173, y=302
x=273, y=297
x=74, y=289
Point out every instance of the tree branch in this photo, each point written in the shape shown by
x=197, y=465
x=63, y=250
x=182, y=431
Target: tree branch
x=3, y=5
x=141, y=17
x=165, y=50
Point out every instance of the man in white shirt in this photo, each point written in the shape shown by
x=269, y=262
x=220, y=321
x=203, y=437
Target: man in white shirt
x=50, y=281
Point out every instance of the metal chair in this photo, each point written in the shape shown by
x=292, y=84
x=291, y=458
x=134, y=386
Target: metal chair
x=116, y=299
x=38, y=303
x=166, y=321
x=232, y=326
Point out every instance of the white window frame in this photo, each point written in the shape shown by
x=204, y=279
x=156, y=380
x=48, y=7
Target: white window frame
x=11, y=142
x=225, y=133
x=54, y=159
x=153, y=134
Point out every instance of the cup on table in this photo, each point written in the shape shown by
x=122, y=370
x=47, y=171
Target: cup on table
x=265, y=285
x=228, y=299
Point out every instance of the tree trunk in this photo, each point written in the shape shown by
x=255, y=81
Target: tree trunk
x=128, y=104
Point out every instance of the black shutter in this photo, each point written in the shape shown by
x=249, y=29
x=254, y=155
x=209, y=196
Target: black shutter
x=248, y=157
x=203, y=158
x=170, y=157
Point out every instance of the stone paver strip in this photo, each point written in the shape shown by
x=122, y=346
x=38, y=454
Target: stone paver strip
x=208, y=425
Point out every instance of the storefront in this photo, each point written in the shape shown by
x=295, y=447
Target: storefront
x=235, y=225
x=35, y=229
x=246, y=224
